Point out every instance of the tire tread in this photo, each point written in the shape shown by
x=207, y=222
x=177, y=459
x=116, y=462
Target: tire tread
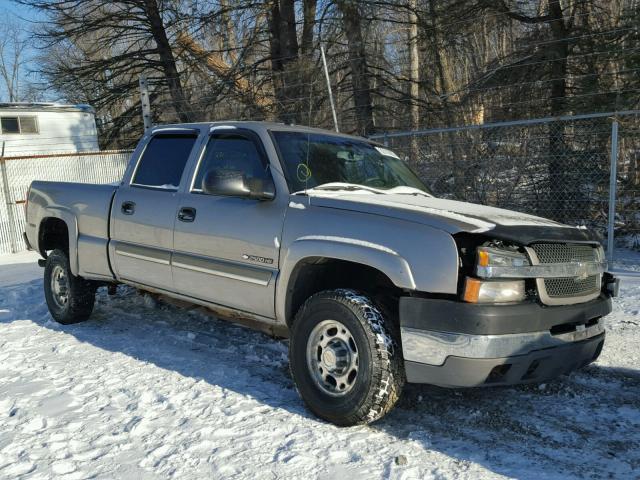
x=81, y=292
x=388, y=374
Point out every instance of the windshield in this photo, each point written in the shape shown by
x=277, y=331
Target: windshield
x=311, y=160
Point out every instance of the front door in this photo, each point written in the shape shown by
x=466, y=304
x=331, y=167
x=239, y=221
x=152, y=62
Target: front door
x=226, y=248
x=144, y=212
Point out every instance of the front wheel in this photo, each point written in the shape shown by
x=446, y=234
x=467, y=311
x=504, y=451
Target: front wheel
x=344, y=358
x=70, y=299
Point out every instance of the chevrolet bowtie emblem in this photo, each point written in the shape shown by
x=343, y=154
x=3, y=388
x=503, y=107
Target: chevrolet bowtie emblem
x=582, y=272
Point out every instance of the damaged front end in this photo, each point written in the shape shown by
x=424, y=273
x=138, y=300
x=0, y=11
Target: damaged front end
x=524, y=313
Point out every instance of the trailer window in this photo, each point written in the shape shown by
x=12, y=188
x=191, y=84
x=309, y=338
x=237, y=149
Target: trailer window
x=10, y=125
x=163, y=161
x=24, y=125
x=28, y=125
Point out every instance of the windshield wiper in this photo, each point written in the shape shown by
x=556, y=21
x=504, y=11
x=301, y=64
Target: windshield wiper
x=340, y=186
x=351, y=187
x=405, y=190
x=347, y=188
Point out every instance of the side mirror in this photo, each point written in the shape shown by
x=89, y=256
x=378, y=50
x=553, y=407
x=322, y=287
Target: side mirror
x=233, y=183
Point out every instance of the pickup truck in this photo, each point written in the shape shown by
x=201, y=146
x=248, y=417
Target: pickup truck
x=333, y=241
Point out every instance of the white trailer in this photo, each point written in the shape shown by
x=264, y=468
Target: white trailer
x=45, y=128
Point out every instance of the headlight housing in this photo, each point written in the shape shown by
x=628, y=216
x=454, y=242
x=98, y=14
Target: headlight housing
x=490, y=258
x=492, y=263
x=480, y=291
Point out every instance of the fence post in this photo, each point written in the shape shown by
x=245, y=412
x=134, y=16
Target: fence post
x=613, y=176
x=7, y=199
x=146, y=105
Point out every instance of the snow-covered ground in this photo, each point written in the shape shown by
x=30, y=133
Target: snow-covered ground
x=145, y=390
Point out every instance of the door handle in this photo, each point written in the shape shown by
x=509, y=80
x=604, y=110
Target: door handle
x=128, y=208
x=187, y=214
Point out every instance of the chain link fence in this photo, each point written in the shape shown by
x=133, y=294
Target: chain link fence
x=19, y=172
x=559, y=168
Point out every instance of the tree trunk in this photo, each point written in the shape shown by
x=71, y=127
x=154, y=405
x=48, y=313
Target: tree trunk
x=168, y=62
x=414, y=76
x=308, y=22
x=459, y=171
x=283, y=43
x=215, y=62
x=559, y=161
x=352, y=26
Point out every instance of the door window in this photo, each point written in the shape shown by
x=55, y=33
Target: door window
x=163, y=161
x=231, y=152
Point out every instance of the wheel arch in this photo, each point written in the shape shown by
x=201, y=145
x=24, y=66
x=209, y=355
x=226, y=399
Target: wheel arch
x=59, y=229
x=315, y=264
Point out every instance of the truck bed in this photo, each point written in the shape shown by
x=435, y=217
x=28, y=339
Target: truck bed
x=85, y=209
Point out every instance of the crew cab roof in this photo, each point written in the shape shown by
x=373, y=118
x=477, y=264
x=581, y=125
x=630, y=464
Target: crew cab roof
x=256, y=125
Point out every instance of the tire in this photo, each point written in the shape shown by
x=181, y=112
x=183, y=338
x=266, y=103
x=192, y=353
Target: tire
x=323, y=357
x=70, y=299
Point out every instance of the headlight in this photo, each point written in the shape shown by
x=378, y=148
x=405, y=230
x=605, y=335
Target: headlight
x=495, y=260
x=479, y=291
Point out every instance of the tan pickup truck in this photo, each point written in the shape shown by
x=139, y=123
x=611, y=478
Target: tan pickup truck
x=333, y=240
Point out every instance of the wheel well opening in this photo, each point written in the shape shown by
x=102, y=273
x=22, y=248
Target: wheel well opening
x=313, y=275
x=53, y=234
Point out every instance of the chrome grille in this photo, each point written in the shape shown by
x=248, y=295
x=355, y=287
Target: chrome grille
x=571, y=287
x=553, y=290
x=564, y=252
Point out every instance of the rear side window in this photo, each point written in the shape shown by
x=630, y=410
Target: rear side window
x=163, y=161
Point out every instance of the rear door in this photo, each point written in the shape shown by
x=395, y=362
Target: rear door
x=144, y=211
x=226, y=248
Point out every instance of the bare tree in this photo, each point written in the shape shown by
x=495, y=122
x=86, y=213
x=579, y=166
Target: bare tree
x=351, y=12
x=393, y=64
x=101, y=48
x=13, y=46
x=414, y=69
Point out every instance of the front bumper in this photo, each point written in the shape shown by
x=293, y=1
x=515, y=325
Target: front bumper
x=456, y=344
x=536, y=366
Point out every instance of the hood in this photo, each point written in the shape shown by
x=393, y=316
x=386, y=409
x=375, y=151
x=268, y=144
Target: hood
x=453, y=216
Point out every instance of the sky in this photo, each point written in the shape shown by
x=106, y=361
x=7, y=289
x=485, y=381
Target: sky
x=23, y=16
x=19, y=10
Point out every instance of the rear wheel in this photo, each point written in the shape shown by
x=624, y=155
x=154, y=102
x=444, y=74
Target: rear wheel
x=70, y=299
x=344, y=358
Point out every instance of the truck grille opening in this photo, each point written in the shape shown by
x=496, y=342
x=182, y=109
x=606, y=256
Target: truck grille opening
x=564, y=252
x=571, y=287
x=554, y=290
